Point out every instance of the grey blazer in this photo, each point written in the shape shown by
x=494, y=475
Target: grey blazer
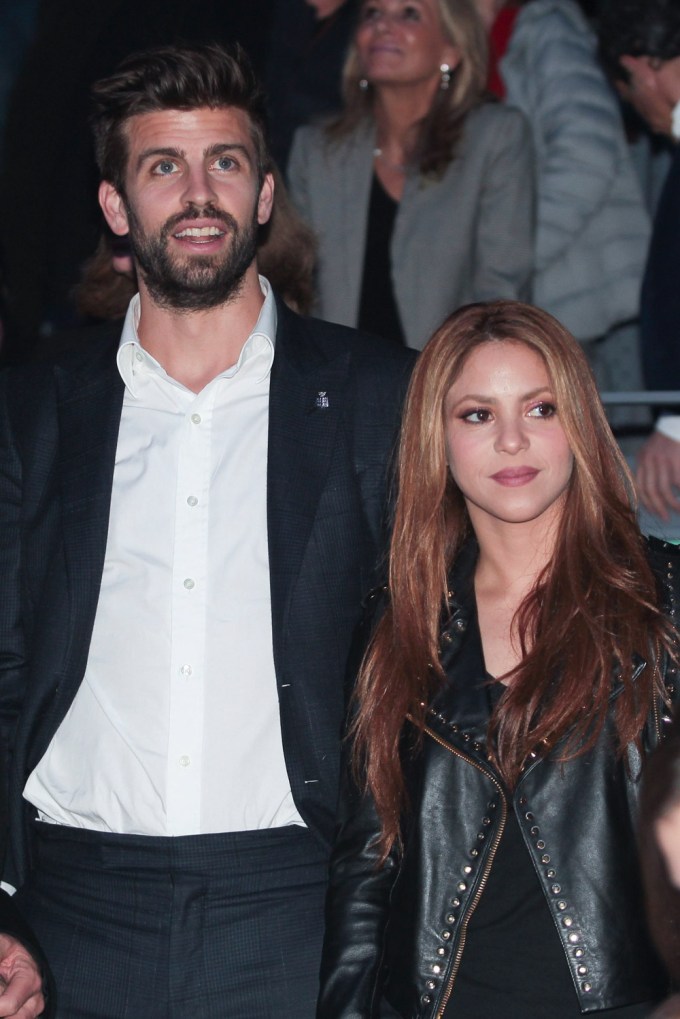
x=466, y=237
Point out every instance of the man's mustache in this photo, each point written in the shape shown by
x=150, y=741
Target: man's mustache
x=192, y=211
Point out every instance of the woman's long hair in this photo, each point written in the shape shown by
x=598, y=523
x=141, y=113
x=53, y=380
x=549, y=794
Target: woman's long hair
x=440, y=132
x=591, y=609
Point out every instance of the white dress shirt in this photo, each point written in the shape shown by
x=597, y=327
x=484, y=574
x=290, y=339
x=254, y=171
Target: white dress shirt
x=175, y=728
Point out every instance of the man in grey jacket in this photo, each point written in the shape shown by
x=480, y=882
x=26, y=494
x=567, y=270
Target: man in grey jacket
x=640, y=46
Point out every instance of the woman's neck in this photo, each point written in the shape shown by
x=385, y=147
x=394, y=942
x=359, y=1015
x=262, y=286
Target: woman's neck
x=398, y=112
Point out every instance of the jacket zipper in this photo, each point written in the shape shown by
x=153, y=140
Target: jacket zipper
x=485, y=876
x=657, y=669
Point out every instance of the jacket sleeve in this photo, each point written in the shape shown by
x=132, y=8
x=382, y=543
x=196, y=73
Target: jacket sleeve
x=13, y=660
x=504, y=256
x=357, y=901
x=12, y=637
x=356, y=911
x=578, y=127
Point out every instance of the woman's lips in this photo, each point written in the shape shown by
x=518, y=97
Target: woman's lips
x=515, y=476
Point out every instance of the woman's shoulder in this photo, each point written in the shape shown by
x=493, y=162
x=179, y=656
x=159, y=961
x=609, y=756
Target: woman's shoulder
x=497, y=124
x=664, y=559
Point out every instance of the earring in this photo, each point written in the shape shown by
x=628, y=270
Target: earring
x=363, y=84
x=445, y=71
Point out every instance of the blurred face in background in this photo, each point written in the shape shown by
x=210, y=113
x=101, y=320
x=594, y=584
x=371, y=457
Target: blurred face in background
x=402, y=43
x=489, y=10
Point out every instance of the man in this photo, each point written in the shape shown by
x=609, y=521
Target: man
x=640, y=46
x=190, y=517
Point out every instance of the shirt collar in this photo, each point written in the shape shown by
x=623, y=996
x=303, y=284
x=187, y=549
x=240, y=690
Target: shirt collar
x=132, y=359
x=675, y=122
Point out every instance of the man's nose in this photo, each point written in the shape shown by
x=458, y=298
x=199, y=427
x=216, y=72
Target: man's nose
x=199, y=187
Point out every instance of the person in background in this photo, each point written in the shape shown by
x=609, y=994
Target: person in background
x=307, y=49
x=421, y=193
x=640, y=47
x=592, y=227
x=517, y=669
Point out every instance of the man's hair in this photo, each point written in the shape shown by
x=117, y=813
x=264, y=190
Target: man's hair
x=638, y=28
x=174, y=78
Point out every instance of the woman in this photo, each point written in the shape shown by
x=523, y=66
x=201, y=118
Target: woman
x=421, y=193
x=485, y=861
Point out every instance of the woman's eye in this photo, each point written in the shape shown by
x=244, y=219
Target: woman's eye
x=410, y=13
x=478, y=416
x=543, y=410
x=370, y=13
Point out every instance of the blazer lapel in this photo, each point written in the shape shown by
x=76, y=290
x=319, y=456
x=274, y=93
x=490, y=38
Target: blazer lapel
x=89, y=408
x=356, y=170
x=305, y=407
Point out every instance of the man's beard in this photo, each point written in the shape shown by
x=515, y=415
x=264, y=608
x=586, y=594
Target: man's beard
x=198, y=282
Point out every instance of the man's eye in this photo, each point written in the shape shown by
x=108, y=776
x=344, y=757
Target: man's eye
x=165, y=167
x=225, y=163
x=544, y=409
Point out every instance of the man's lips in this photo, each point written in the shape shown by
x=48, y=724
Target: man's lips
x=515, y=476
x=199, y=233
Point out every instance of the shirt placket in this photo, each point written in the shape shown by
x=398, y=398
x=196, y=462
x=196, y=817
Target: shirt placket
x=188, y=623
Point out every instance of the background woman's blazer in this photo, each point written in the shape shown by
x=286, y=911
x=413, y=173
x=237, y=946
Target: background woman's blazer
x=466, y=237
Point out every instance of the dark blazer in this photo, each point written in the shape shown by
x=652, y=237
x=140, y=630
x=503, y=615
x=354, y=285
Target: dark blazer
x=334, y=406
x=660, y=300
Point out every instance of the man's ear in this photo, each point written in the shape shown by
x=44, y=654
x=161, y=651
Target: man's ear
x=265, y=202
x=113, y=208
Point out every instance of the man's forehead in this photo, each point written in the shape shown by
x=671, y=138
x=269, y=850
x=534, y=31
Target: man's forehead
x=203, y=127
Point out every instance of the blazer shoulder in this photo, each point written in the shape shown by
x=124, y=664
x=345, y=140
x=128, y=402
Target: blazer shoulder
x=492, y=119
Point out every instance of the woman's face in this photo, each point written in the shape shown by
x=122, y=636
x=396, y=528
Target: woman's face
x=402, y=42
x=506, y=448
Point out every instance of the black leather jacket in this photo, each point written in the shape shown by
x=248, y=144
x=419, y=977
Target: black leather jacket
x=399, y=931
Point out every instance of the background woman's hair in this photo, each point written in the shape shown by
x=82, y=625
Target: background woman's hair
x=592, y=607
x=440, y=132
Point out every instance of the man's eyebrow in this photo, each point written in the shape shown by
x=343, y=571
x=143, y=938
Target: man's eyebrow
x=221, y=147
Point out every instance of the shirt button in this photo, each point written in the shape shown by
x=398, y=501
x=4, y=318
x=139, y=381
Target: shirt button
x=185, y=760
x=192, y=501
x=139, y=357
x=189, y=583
x=186, y=671
x=196, y=419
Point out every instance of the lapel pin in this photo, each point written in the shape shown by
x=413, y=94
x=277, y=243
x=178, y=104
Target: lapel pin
x=322, y=400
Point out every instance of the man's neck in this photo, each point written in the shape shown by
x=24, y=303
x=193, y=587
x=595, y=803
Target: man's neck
x=194, y=347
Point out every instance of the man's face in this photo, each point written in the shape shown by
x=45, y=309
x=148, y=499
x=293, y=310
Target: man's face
x=648, y=92
x=191, y=204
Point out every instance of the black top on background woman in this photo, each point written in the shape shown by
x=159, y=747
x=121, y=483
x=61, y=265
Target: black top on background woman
x=518, y=670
